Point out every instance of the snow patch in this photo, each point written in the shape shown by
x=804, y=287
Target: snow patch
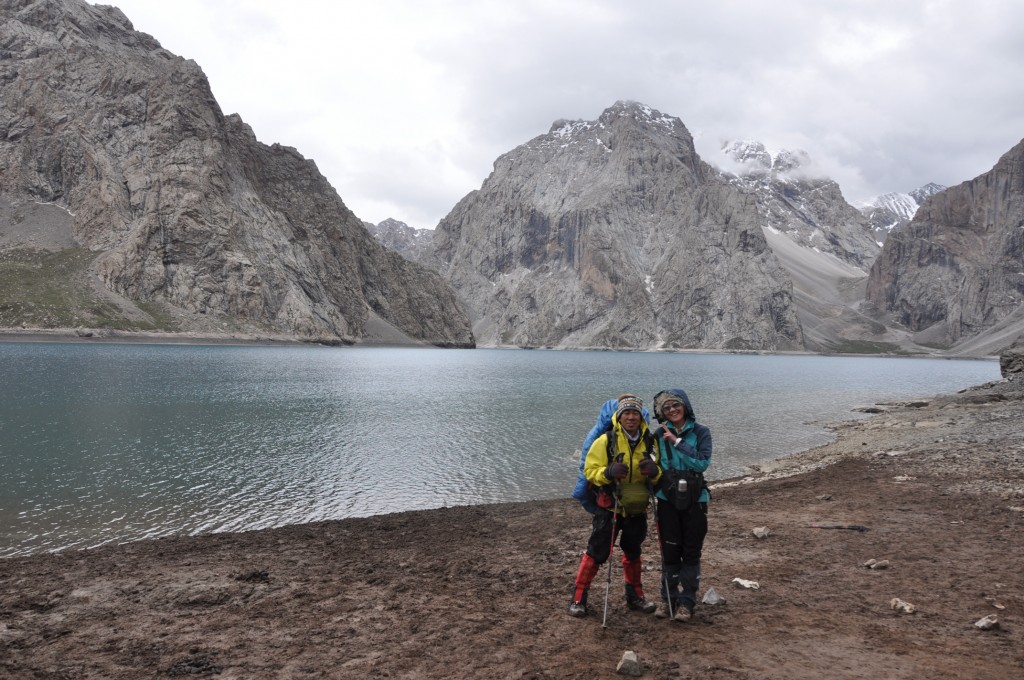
x=56, y=205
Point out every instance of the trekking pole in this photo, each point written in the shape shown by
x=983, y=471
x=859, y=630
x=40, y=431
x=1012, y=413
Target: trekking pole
x=661, y=549
x=611, y=549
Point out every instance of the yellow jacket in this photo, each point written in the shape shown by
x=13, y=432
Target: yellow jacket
x=635, y=490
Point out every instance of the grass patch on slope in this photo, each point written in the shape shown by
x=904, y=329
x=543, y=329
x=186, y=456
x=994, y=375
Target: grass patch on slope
x=865, y=347
x=51, y=290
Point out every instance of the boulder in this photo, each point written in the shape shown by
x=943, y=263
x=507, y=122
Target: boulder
x=1011, y=361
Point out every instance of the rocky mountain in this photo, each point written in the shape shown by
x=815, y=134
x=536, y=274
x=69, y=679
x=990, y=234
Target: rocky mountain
x=893, y=210
x=954, y=275
x=796, y=201
x=822, y=241
x=614, y=233
x=122, y=178
x=409, y=242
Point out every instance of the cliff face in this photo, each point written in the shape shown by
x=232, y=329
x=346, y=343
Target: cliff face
x=956, y=271
x=614, y=233
x=182, y=204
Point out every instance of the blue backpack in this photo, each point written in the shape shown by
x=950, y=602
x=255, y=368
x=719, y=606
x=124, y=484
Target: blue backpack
x=584, y=491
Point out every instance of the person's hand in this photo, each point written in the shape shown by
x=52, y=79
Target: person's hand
x=616, y=471
x=648, y=468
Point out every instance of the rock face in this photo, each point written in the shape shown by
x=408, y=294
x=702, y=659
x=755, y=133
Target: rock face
x=183, y=206
x=1011, y=361
x=955, y=271
x=614, y=233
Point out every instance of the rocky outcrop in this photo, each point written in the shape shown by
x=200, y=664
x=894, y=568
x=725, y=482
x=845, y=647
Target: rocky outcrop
x=614, y=233
x=955, y=271
x=1011, y=361
x=183, y=206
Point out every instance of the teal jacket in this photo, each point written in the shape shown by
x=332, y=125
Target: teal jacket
x=693, y=449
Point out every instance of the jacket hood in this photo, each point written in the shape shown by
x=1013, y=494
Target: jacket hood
x=681, y=395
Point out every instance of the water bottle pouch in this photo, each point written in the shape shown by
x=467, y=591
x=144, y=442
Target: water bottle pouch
x=682, y=488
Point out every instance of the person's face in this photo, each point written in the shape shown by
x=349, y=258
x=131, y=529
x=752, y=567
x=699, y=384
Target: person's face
x=675, y=412
x=630, y=421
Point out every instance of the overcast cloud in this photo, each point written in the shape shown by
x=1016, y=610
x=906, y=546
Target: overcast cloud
x=404, y=105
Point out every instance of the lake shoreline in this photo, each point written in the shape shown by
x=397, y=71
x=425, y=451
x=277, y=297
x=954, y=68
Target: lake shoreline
x=100, y=336
x=937, y=487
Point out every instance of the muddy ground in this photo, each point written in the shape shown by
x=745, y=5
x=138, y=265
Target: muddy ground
x=481, y=592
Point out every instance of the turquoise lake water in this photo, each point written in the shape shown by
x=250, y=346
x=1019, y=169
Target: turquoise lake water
x=115, y=442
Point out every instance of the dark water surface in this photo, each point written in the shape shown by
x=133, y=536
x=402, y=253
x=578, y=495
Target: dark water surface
x=112, y=442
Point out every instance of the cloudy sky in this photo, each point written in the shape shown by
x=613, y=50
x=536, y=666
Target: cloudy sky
x=405, y=104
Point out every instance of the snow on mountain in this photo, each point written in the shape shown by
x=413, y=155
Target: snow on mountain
x=927, y=190
x=892, y=210
x=795, y=199
x=903, y=205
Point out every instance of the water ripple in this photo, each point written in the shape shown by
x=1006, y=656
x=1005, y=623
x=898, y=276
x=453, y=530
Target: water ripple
x=108, y=443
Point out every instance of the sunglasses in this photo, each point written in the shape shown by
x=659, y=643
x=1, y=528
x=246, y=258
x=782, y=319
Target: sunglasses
x=671, y=407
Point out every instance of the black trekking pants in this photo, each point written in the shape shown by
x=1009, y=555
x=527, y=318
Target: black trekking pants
x=682, y=532
x=631, y=532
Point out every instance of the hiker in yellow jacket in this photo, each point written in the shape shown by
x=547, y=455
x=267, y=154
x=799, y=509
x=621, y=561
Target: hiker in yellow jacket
x=621, y=467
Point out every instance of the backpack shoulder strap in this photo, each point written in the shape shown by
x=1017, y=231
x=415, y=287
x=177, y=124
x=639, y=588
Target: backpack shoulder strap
x=612, y=445
x=650, y=442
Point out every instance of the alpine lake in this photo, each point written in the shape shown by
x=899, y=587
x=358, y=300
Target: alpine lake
x=114, y=442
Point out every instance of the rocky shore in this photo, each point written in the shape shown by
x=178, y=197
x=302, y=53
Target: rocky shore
x=931, y=491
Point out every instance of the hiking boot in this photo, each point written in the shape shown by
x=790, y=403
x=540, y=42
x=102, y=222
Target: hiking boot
x=639, y=604
x=578, y=609
x=661, y=611
x=683, y=613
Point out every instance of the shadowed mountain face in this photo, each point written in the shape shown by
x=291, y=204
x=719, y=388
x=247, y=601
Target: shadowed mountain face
x=181, y=206
x=955, y=273
x=614, y=233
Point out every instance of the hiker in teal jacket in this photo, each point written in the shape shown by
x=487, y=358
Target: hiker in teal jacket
x=620, y=465
x=684, y=448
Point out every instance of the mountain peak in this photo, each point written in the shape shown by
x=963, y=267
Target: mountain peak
x=750, y=158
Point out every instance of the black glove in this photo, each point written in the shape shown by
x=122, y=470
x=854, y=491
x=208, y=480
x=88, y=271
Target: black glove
x=616, y=471
x=648, y=468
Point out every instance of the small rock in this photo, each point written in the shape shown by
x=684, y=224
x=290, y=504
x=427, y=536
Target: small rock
x=762, y=532
x=901, y=607
x=711, y=597
x=825, y=497
x=629, y=665
x=877, y=564
x=990, y=622
x=744, y=583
